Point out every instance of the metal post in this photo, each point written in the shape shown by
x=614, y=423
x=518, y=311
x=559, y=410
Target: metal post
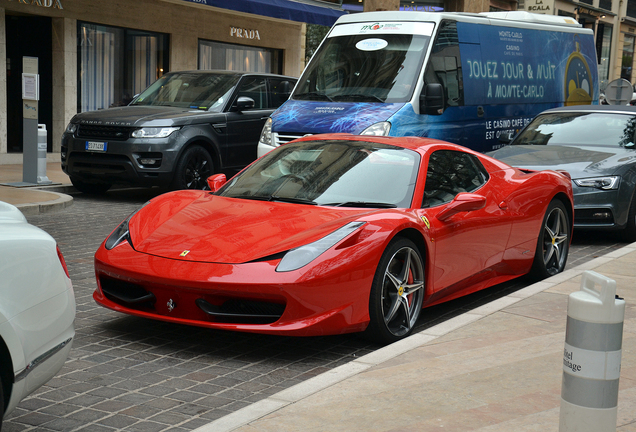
x=592, y=357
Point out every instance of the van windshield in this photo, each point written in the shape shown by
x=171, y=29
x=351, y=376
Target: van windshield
x=364, y=68
x=197, y=90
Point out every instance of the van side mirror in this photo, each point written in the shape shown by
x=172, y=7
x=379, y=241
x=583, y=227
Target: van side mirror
x=432, y=99
x=243, y=103
x=463, y=202
x=216, y=181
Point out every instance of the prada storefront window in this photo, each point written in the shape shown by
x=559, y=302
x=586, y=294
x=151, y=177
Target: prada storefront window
x=115, y=64
x=242, y=58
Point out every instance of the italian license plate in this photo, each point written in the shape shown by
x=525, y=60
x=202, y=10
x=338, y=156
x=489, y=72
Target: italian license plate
x=96, y=146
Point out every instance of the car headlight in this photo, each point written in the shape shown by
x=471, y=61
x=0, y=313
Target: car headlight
x=266, y=134
x=154, y=132
x=122, y=232
x=71, y=128
x=377, y=129
x=605, y=183
x=300, y=257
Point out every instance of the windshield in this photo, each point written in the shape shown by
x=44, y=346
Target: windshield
x=332, y=173
x=364, y=68
x=580, y=129
x=197, y=90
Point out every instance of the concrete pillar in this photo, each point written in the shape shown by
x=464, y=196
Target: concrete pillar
x=476, y=6
x=64, y=75
x=3, y=83
x=381, y=5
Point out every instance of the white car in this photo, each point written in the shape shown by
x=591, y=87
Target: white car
x=37, y=308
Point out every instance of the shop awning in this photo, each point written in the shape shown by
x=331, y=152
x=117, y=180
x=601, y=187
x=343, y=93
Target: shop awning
x=283, y=9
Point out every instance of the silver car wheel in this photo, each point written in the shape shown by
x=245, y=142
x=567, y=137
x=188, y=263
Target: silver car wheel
x=555, y=240
x=402, y=292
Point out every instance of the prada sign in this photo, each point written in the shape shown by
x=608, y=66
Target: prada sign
x=55, y=4
x=238, y=32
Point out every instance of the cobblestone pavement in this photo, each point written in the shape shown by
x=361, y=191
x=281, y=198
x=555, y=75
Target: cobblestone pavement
x=132, y=374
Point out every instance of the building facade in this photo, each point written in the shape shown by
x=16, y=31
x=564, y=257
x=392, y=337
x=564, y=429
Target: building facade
x=99, y=54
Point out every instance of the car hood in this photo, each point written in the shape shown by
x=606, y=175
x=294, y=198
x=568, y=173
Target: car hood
x=580, y=162
x=309, y=117
x=137, y=116
x=198, y=226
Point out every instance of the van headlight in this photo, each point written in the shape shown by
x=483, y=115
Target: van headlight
x=377, y=129
x=153, y=132
x=266, y=134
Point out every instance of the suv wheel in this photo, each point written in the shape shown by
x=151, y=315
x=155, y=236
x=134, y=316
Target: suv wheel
x=193, y=169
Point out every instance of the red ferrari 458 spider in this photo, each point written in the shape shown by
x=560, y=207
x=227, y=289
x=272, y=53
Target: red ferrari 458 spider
x=336, y=233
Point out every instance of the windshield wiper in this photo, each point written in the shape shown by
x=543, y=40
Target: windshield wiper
x=292, y=200
x=313, y=96
x=275, y=198
x=358, y=97
x=364, y=204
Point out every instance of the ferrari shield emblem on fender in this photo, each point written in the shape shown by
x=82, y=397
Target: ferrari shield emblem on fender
x=184, y=253
x=426, y=222
x=170, y=305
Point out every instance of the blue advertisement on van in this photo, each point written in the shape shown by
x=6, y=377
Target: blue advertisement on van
x=371, y=77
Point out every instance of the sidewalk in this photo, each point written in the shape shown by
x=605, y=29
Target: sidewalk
x=37, y=198
x=497, y=368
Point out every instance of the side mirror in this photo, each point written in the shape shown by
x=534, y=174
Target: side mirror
x=243, y=103
x=505, y=138
x=463, y=202
x=432, y=99
x=216, y=181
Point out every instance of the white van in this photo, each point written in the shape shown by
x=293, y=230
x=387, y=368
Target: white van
x=470, y=79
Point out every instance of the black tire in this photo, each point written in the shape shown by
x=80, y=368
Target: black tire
x=397, y=292
x=553, y=242
x=90, y=188
x=193, y=169
x=630, y=229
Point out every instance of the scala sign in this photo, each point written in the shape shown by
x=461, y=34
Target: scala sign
x=540, y=6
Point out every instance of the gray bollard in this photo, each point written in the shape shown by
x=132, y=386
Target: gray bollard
x=42, y=178
x=592, y=357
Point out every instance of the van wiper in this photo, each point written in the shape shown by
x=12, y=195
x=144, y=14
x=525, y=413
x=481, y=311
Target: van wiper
x=359, y=97
x=313, y=96
x=363, y=204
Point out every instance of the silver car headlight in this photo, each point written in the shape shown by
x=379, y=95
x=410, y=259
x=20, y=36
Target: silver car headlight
x=300, y=257
x=154, y=132
x=604, y=183
x=377, y=129
x=266, y=134
x=122, y=232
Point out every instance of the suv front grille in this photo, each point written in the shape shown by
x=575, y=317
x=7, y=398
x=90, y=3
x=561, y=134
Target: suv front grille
x=113, y=133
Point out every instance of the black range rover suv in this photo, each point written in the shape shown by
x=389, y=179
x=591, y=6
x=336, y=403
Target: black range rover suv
x=183, y=128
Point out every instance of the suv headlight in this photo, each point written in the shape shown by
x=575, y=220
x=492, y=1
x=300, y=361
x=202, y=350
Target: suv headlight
x=377, y=129
x=604, y=183
x=301, y=256
x=266, y=134
x=71, y=128
x=154, y=132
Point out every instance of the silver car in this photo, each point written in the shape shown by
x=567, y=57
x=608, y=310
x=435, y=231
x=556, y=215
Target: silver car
x=595, y=144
